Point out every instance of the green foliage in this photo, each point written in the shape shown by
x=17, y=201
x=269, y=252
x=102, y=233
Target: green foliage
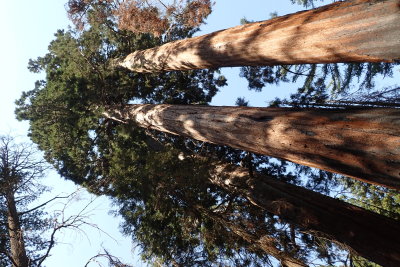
x=186, y=220
x=65, y=109
x=156, y=191
x=327, y=80
x=320, y=82
x=375, y=198
x=169, y=204
x=241, y=101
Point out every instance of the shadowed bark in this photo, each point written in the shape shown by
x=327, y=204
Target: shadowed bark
x=17, y=244
x=362, y=143
x=348, y=31
x=373, y=236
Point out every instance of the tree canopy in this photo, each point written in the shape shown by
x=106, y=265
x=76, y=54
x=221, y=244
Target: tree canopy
x=141, y=16
x=160, y=184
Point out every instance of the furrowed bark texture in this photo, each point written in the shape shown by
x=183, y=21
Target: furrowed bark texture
x=349, y=31
x=361, y=143
x=373, y=236
x=17, y=244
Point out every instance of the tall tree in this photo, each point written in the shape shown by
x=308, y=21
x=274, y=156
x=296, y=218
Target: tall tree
x=329, y=34
x=80, y=80
x=171, y=207
x=18, y=172
x=360, y=143
x=313, y=212
x=27, y=231
x=96, y=142
x=100, y=155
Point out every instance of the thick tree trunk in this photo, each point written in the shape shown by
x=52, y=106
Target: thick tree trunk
x=17, y=244
x=373, y=236
x=348, y=31
x=361, y=143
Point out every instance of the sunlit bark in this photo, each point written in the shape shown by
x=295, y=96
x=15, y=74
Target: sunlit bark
x=363, y=143
x=345, y=31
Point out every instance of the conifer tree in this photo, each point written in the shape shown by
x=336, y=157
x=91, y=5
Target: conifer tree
x=27, y=231
x=333, y=33
x=171, y=206
x=167, y=204
x=339, y=144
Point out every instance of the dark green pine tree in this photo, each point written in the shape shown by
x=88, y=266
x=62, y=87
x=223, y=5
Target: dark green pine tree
x=81, y=81
x=110, y=158
x=120, y=160
x=188, y=221
x=169, y=205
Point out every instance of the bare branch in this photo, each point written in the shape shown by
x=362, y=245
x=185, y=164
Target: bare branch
x=44, y=204
x=113, y=260
x=74, y=222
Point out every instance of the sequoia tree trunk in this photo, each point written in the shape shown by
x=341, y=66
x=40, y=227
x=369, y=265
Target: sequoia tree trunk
x=362, y=143
x=370, y=235
x=345, y=31
x=17, y=244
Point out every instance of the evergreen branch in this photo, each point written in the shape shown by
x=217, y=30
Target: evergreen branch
x=296, y=73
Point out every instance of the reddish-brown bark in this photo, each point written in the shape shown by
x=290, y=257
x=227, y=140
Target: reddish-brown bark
x=348, y=31
x=363, y=143
x=370, y=235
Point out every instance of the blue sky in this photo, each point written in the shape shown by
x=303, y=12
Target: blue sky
x=27, y=27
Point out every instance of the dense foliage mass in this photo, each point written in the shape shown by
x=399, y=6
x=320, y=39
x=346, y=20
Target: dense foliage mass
x=161, y=184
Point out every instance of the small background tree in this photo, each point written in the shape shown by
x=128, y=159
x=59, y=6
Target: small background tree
x=27, y=234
